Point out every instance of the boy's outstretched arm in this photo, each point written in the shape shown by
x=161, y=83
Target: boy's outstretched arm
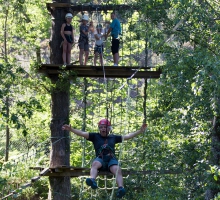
x=67, y=127
x=134, y=134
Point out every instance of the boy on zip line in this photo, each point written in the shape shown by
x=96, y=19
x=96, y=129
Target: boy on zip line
x=104, y=144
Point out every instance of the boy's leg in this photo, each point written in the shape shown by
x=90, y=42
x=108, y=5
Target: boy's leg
x=86, y=50
x=94, y=169
x=86, y=57
x=101, y=59
x=116, y=170
x=97, y=164
x=81, y=52
x=95, y=58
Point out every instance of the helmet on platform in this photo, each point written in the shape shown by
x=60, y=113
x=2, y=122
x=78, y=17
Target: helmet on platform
x=85, y=17
x=104, y=122
x=69, y=15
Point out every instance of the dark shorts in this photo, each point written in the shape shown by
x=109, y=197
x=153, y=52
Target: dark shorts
x=115, y=46
x=83, y=43
x=69, y=38
x=106, y=162
x=98, y=49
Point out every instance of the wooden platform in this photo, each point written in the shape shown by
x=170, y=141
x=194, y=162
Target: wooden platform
x=91, y=7
x=97, y=71
x=77, y=171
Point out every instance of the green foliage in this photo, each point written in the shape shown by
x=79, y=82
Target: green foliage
x=184, y=37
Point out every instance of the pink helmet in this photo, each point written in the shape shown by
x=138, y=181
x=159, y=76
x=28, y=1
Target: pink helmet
x=104, y=122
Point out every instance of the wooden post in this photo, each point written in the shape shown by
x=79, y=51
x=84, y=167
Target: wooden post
x=60, y=187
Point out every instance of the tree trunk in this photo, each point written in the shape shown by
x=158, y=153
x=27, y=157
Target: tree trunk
x=145, y=82
x=7, y=131
x=8, y=88
x=60, y=187
x=215, y=157
x=58, y=18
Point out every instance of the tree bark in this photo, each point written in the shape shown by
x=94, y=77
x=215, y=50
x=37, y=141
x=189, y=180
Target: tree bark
x=7, y=131
x=8, y=88
x=58, y=18
x=60, y=187
x=215, y=157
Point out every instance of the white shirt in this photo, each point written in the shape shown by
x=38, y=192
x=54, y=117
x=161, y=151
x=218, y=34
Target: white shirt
x=99, y=41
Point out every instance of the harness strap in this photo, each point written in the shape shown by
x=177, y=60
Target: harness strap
x=105, y=147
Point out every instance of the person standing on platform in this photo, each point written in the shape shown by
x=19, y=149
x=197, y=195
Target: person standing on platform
x=68, y=38
x=115, y=30
x=84, y=40
x=98, y=50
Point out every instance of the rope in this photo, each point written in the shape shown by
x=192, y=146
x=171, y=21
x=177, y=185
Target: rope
x=103, y=69
x=60, y=138
x=83, y=139
x=102, y=58
x=122, y=143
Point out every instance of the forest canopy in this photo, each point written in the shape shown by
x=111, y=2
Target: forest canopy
x=181, y=146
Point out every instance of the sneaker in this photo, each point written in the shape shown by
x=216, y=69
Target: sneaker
x=120, y=192
x=91, y=182
x=115, y=65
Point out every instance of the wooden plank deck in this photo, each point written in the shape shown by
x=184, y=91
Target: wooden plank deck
x=77, y=171
x=97, y=71
x=91, y=7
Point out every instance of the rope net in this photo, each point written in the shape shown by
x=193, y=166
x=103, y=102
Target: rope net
x=125, y=111
x=123, y=99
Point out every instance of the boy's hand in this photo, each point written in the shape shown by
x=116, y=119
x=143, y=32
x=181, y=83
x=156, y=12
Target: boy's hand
x=66, y=127
x=143, y=128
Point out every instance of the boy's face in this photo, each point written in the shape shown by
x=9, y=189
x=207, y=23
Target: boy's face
x=104, y=130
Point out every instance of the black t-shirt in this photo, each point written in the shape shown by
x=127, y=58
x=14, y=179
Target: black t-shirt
x=100, y=142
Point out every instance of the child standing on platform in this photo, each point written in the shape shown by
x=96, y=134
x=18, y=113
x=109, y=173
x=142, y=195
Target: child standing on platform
x=98, y=50
x=84, y=40
x=68, y=38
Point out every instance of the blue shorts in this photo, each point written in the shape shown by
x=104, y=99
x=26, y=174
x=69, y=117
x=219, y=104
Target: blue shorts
x=106, y=162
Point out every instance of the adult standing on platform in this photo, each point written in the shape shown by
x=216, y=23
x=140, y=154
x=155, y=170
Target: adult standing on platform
x=115, y=29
